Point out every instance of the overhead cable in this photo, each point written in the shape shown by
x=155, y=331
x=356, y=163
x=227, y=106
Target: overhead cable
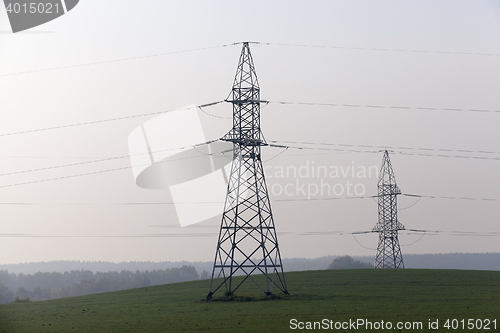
x=377, y=49
x=114, y=60
x=98, y=121
x=359, y=106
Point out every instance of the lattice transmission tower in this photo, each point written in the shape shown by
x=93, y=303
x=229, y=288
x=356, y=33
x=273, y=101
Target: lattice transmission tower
x=388, y=249
x=248, y=244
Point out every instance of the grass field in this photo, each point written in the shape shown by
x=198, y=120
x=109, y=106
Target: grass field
x=337, y=295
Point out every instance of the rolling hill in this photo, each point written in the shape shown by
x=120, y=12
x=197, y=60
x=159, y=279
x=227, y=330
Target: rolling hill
x=327, y=298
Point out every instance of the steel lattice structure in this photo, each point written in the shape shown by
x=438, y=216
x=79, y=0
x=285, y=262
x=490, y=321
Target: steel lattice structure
x=248, y=244
x=388, y=250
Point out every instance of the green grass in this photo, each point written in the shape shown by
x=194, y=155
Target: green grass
x=338, y=295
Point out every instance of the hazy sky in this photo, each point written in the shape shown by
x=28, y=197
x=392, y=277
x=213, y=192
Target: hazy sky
x=415, y=54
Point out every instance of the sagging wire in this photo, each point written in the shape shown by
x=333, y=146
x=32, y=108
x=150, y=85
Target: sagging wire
x=361, y=244
x=416, y=240
x=416, y=202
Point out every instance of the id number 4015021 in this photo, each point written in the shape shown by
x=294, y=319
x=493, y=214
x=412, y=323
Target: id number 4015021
x=33, y=8
x=470, y=324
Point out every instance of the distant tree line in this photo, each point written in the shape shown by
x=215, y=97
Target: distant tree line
x=347, y=262
x=45, y=286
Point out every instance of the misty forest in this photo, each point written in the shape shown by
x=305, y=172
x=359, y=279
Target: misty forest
x=44, y=286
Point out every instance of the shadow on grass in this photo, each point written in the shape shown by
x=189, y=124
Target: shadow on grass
x=231, y=297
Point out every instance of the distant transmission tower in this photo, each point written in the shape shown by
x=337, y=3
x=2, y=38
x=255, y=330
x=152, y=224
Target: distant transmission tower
x=248, y=244
x=388, y=250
